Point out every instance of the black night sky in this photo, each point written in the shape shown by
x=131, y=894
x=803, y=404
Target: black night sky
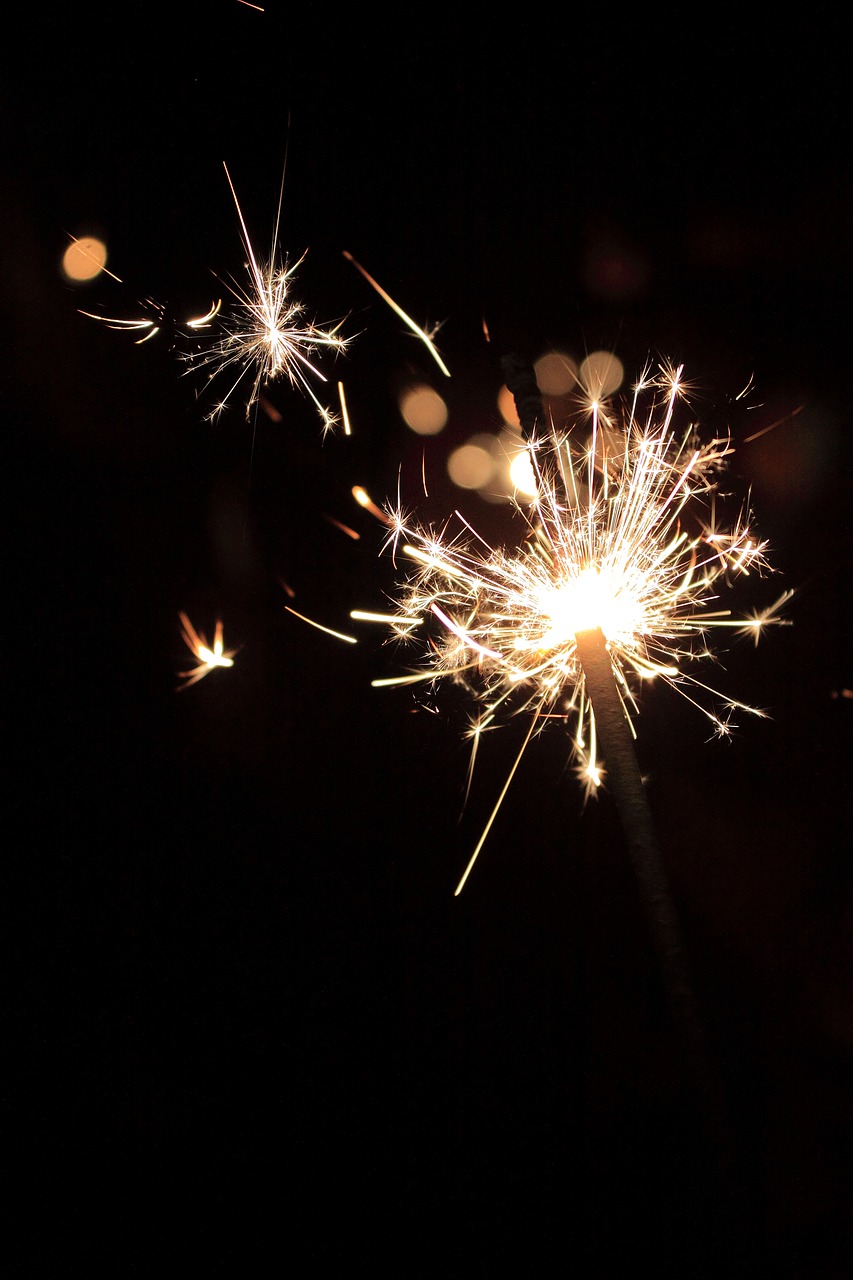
x=250, y=1016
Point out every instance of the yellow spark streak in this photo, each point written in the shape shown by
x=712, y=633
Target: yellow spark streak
x=418, y=332
x=494, y=813
x=263, y=334
x=623, y=534
x=131, y=326
x=201, y=322
x=395, y=680
x=344, y=414
x=153, y=327
x=364, y=499
x=338, y=635
x=209, y=658
x=361, y=615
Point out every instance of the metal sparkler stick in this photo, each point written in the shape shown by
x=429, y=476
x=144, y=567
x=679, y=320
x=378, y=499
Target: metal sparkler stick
x=629, y=795
x=520, y=380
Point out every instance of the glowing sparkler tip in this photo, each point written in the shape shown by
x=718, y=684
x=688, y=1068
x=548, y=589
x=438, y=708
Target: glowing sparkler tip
x=624, y=535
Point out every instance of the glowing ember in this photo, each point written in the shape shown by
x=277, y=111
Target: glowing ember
x=208, y=657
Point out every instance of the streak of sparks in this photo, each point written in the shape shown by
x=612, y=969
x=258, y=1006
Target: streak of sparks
x=344, y=413
x=264, y=333
x=424, y=336
x=623, y=534
x=756, y=435
x=364, y=499
x=338, y=635
x=149, y=328
x=209, y=657
x=344, y=528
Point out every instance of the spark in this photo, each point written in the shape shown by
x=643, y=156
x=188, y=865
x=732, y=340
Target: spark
x=756, y=435
x=83, y=248
x=754, y=623
x=424, y=335
x=208, y=657
x=344, y=528
x=149, y=327
x=623, y=534
x=344, y=412
x=338, y=635
x=364, y=499
x=264, y=333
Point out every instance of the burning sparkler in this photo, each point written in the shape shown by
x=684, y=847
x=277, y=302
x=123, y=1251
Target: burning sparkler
x=623, y=537
x=264, y=333
x=208, y=657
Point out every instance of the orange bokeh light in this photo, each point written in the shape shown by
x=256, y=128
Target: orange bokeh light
x=84, y=259
x=423, y=410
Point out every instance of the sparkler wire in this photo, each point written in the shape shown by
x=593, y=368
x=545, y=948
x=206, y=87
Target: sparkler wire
x=629, y=797
x=613, y=730
x=521, y=382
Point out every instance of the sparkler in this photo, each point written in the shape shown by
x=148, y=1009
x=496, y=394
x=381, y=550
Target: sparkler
x=208, y=657
x=625, y=538
x=264, y=332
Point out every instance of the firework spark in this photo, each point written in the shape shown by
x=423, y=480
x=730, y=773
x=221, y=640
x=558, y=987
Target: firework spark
x=625, y=535
x=264, y=333
x=338, y=635
x=425, y=336
x=208, y=657
x=149, y=326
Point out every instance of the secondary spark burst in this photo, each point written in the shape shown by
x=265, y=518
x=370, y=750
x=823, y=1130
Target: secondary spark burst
x=264, y=333
x=208, y=657
x=624, y=534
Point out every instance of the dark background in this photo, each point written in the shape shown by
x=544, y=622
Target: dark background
x=243, y=986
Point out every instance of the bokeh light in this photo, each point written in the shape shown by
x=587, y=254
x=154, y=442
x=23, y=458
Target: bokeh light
x=423, y=410
x=84, y=259
x=601, y=374
x=473, y=465
x=507, y=409
x=556, y=374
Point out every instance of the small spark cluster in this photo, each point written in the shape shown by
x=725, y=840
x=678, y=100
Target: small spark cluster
x=209, y=657
x=264, y=333
x=624, y=535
